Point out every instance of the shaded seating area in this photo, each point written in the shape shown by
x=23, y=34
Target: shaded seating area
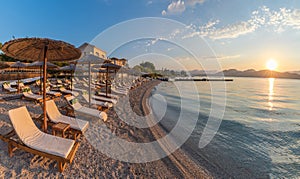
x=28, y=137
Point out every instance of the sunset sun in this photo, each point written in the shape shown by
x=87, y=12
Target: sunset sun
x=271, y=64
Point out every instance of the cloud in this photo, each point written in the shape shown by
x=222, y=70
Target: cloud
x=277, y=21
x=194, y=2
x=233, y=31
x=149, y=3
x=177, y=7
x=221, y=57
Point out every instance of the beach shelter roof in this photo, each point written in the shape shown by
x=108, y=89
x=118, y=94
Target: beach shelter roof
x=33, y=49
x=3, y=65
x=90, y=59
x=39, y=64
x=110, y=66
x=70, y=67
x=18, y=64
x=41, y=49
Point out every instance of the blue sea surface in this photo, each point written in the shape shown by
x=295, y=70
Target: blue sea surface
x=259, y=136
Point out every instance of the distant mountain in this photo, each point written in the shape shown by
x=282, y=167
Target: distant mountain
x=261, y=73
x=202, y=72
x=297, y=72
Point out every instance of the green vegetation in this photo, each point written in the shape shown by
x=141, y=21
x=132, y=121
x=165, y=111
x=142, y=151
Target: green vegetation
x=149, y=68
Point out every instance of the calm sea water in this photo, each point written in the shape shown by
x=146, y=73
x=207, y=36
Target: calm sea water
x=259, y=136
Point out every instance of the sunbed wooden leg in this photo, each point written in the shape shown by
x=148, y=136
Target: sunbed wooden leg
x=10, y=149
x=61, y=166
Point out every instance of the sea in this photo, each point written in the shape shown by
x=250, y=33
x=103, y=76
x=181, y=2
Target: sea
x=257, y=133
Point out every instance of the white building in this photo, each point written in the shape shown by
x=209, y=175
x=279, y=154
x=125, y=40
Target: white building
x=88, y=49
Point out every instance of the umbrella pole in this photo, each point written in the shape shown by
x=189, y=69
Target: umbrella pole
x=18, y=80
x=40, y=79
x=71, y=80
x=89, y=84
x=44, y=88
x=106, y=81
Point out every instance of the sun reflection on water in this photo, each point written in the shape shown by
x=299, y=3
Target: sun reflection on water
x=271, y=93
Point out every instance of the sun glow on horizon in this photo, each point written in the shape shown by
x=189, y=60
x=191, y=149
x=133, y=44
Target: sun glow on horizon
x=271, y=64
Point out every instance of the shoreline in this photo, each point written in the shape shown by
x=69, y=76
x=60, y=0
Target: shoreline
x=181, y=161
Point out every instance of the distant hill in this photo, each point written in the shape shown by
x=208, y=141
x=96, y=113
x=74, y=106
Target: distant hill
x=202, y=72
x=296, y=72
x=261, y=74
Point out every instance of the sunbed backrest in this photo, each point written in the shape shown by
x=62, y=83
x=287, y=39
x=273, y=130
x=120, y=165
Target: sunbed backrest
x=23, y=124
x=52, y=110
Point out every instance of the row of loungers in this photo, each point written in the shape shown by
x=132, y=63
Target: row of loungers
x=33, y=140
x=7, y=85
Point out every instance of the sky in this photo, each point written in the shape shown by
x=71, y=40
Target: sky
x=241, y=34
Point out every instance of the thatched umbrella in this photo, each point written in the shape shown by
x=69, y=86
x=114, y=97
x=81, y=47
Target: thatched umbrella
x=90, y=59
x=40, y=64
x=41, y=49
x=70, y=69
x=3, y=65
x=109, y=66
x=18, y=65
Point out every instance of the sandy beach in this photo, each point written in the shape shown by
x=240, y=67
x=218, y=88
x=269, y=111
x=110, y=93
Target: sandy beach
x=89, y=162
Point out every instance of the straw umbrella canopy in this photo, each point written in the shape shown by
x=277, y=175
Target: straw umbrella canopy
x=71, y=69
x=41, y=49
x=90, y=59
x=109, y=66
x=18, y=65
x=3, y=65
x=40, y=64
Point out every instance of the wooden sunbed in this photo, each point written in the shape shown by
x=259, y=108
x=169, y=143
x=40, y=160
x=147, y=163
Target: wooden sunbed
x=78, y=126
x=15, y=142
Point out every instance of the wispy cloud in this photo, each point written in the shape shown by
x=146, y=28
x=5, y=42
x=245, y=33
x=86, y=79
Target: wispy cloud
x=149, y=3
x=177, y=7
x=278, y=21
x=221, y=57
x=174, y=8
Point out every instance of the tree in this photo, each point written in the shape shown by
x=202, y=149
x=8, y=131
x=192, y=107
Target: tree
x=149, y=66
x=183, y=73
x=138, y=68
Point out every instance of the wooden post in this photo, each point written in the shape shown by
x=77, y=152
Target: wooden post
x=106, y=80
x=40, y=79
x=18, y=80
x=44, y=87
x=90, y=91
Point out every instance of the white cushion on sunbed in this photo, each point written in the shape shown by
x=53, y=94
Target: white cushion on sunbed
x=64, y=90
x=100, y=103
x=109, y=95
x=102, y=98
x=32, y=137
x=32, y=96
x=93, y=112
x=56, y=116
